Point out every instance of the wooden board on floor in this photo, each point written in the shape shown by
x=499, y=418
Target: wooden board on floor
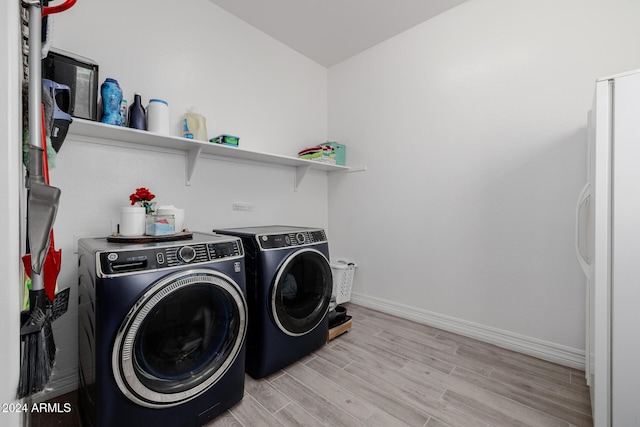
x=339, y=330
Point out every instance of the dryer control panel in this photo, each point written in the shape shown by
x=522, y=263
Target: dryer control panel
x=123, y=261
x=285, y=240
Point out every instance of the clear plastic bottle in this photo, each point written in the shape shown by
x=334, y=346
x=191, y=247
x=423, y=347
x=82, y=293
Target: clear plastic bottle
x=194, y=125
x=123, y=112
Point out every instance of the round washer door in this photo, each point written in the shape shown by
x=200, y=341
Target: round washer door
x=301, y=292
x=180, y=338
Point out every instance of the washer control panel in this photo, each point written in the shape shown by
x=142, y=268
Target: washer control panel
x=285, y=240
x=123, y=261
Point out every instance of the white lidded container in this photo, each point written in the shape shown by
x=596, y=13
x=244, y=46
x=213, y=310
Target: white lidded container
x=178, y=215
x=132, y=221
x=158, y=116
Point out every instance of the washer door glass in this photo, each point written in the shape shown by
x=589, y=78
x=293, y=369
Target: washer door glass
x=181, y=337
x=302, y=292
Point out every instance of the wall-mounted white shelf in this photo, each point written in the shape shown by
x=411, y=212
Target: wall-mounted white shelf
x=104, y=133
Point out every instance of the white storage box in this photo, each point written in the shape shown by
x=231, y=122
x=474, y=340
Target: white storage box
x=343, y=271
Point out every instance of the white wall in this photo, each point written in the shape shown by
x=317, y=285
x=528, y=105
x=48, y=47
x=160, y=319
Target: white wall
x=473, y=128
x=242, y=81
x=10, y=152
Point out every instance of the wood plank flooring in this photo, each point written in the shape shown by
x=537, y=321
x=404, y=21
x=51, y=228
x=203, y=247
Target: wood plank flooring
x=392, y=372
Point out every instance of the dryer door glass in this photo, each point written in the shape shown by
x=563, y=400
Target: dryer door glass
x=180, y=339
x=302, y=292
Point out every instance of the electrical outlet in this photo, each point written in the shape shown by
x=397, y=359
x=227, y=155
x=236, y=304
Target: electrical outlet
x=242, y=207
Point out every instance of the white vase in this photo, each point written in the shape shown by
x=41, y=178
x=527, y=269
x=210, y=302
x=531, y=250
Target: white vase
x=132, y=221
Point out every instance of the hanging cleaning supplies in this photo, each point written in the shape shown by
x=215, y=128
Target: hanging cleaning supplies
x=194, y=125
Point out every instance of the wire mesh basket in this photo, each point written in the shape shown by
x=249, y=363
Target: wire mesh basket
x=343, y=271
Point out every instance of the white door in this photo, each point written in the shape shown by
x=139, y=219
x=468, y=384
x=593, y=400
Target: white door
x=601, y=277
x=625, y=284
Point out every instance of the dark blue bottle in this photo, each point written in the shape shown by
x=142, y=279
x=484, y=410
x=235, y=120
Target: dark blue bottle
x=137, y=118
x=111, y=97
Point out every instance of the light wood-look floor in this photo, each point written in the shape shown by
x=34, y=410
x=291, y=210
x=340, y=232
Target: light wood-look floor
x=392, y=372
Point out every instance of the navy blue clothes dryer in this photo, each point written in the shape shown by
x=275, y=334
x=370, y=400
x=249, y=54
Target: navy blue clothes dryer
x=162, y=330
x=289, y=285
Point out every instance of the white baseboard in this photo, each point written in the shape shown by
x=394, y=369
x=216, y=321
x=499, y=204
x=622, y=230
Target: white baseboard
x=556, y=353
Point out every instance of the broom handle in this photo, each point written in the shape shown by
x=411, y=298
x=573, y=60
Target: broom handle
x=35, y=100
x=45, y=163
x=35, y=78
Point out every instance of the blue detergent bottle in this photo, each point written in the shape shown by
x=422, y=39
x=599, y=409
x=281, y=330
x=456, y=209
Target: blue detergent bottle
x=111, y=98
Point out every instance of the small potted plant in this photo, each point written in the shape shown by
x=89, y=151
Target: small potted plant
x=143, y=198
x=133, y=218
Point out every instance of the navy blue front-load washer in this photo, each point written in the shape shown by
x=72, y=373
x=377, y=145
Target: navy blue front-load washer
x=162, y=330
x=289, y=285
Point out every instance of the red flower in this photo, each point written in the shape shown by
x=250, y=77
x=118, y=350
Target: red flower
x=141, y=195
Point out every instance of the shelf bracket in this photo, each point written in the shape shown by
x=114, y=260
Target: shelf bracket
x=192, y=159
x=357, y=169
x=300, y=172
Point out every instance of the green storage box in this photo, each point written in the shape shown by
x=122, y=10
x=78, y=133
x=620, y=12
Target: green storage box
x=339, y=151
x=225, y=139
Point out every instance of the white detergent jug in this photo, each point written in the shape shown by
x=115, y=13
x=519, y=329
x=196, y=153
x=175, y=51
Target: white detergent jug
x=194, y=126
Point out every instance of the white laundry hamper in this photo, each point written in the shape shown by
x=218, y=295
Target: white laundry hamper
x=343, y=271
